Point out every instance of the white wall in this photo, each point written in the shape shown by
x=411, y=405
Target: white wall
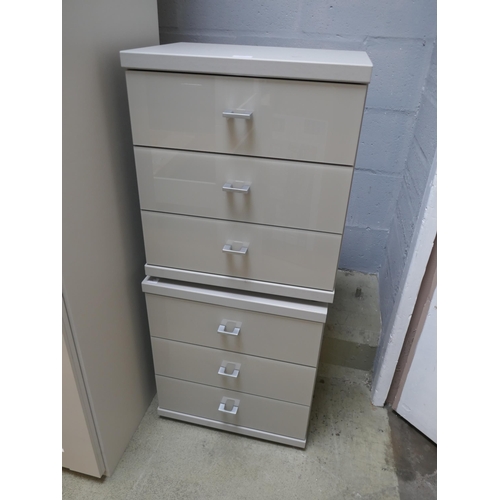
x=418, y=401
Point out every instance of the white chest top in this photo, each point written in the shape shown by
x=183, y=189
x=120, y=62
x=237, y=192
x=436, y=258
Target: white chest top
x=256, y=61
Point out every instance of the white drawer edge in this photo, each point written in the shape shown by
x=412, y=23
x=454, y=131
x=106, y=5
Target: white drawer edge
x=268, y=305
x=253, y=286
x=268, y=436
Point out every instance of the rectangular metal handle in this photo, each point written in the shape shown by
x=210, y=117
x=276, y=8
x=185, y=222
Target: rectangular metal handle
x=228, y=249
x=235, y=372
x=238, y=113
x=234, y=410
x=228, y=186
x=222, y=329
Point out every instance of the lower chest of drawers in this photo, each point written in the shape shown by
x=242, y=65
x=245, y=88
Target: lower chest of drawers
x=234, y=361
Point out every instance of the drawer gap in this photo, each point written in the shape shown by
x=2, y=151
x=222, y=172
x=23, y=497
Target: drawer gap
x=139, y=145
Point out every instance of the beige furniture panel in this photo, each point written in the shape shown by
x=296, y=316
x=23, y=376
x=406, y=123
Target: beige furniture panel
x=299, y=120
x=79, y=450
x=259, y=334
x=102, y=249
x=250, y=251
x=237, y=372
x=275, y=192
x=269, y=415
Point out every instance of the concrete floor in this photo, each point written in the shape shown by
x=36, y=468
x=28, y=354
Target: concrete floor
x=354, y=450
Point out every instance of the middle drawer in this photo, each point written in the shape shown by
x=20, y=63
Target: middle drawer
x=237, y=372
x=275, y=192
x=266, y=253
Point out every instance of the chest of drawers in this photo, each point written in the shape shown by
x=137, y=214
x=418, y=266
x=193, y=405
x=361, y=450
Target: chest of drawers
x=244, y=159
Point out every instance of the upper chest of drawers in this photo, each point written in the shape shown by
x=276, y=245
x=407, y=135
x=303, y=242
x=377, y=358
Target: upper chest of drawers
x=244, y=160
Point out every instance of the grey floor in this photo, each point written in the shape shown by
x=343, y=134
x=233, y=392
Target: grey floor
x=354, y=450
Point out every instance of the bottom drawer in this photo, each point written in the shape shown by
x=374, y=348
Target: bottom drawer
x=245, y=410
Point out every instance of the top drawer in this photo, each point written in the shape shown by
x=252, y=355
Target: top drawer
x=298, y=120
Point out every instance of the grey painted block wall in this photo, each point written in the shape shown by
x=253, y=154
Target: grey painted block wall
x=399, y=36
x=414, y=181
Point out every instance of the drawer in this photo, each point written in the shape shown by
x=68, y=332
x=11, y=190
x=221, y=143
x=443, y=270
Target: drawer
x=298, y=120
x=275, y=192
x=233, y=371
x=276, y=336
x=267, y=253
x=268, y=415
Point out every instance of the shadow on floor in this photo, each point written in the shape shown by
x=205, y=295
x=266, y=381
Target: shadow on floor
x=415, y=460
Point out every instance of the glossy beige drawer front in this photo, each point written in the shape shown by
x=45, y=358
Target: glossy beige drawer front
x=311, y=121
x=280, y=193
x=269, y=415
x=265, y=335
x=237, y=372
x=275, y=254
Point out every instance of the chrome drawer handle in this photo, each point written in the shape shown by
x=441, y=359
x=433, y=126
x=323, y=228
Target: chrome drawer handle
x=234, y=410
x=222, y=329
x=240, y=113
x=228, y=186
x=224, y=365
x=229, y=249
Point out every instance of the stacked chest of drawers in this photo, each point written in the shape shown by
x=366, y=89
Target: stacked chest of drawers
x=244, y=159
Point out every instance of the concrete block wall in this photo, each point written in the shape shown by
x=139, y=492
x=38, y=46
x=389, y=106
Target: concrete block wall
x=399, y=37
x=414, y=181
